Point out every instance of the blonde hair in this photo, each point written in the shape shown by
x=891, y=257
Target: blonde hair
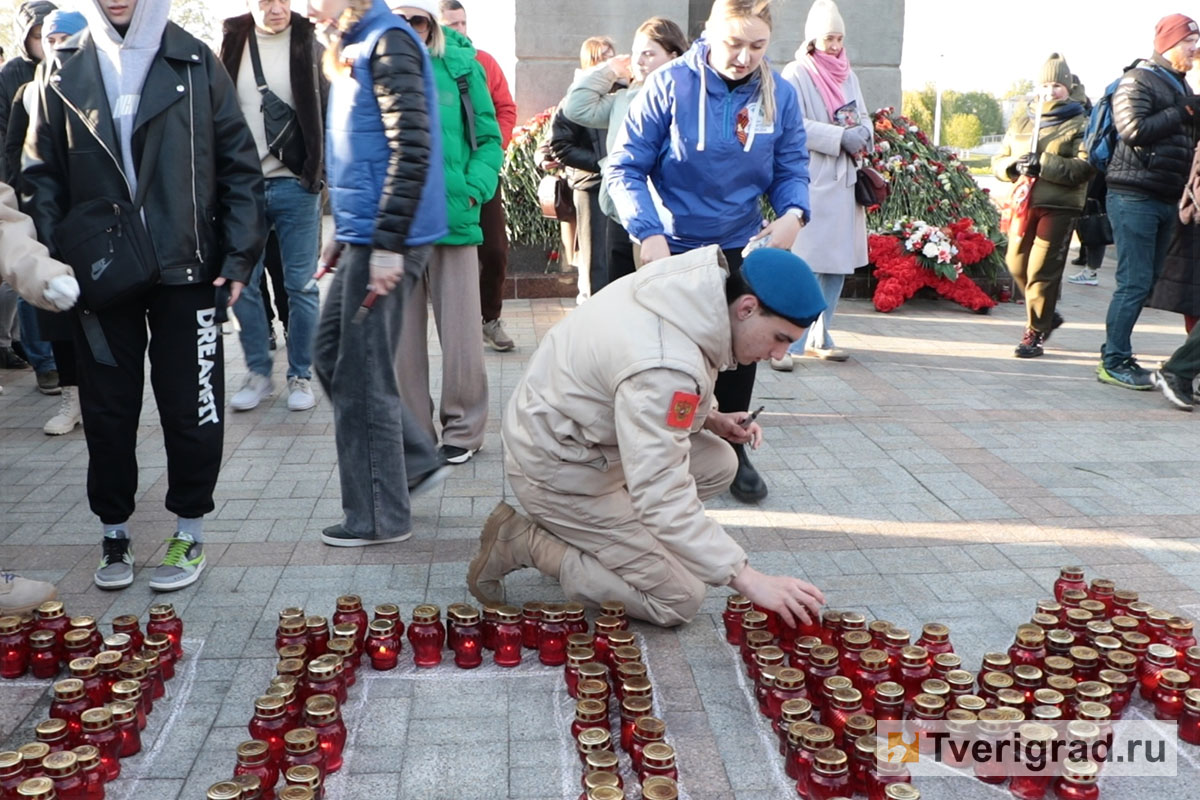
x=727, y=10
x=592, y=51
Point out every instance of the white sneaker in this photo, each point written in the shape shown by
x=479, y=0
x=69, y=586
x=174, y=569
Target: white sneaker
x=1085, y=277
x=67, y=416
x=300, y=394
x=256, y=389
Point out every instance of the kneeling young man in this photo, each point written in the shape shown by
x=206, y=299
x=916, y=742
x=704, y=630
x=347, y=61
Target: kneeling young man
x=612, y=439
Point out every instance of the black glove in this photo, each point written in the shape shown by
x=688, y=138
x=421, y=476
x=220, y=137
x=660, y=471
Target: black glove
x=1029, y=164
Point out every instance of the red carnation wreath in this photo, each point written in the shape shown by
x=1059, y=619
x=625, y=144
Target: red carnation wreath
x=900, y=272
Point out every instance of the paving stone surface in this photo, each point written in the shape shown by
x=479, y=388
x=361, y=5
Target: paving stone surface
x=932, y=476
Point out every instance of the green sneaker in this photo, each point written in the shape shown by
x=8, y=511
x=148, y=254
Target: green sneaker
x=182, y=565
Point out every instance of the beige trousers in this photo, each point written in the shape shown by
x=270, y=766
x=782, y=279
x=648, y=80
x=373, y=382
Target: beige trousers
x=611, y=555
x=451, y=286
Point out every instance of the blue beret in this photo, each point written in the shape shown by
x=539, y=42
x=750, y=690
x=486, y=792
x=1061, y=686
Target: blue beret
x=69, y=22
x=784, y=285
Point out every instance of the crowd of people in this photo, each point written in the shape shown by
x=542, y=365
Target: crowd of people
x=163, y=183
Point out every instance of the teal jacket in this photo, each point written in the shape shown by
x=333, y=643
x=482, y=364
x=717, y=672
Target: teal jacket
x=471, y=176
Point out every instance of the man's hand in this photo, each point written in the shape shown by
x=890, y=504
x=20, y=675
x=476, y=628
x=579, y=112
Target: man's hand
x=235, y=289
x=621, y=67
x=729, y=427
x=795, y=601
x=386, y=270
x=330, y=254
x=654, y=248
x=783, y=231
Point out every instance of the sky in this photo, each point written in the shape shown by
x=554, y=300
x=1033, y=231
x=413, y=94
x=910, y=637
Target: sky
x=1002, y=41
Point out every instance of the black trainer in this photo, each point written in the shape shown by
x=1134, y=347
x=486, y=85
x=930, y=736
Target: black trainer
x=453, y=454
x=1031, y=344
x=1128, y=374
x=1056, y=322
x=1175, y=388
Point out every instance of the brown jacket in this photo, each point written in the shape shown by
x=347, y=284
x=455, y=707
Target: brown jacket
x=592, y=413
x=25, y=264
x=1065, y=170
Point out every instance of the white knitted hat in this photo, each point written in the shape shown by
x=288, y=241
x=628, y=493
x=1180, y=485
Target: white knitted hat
x=823, y=18
x=430, y=7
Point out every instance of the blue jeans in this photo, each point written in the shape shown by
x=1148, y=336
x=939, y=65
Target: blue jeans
x=1142, y=229
x=381, y=445
x=295, y=214
x=40, y=356
x=818, y=336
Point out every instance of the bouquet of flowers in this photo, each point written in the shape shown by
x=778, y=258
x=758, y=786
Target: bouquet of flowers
x=916, y=254
x=519, y=179
x=931, y=185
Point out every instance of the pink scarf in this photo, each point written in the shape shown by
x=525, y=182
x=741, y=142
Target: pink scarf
x=829, y=73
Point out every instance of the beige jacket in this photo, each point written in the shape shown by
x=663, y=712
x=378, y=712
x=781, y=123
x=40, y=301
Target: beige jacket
x=590, y=414
x=25, y=264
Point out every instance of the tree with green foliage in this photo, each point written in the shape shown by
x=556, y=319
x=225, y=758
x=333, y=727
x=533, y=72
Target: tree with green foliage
x=919, y=106
x=983, y=106
x=964, y=131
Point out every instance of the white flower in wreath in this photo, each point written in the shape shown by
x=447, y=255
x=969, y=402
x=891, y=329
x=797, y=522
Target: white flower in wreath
x=884, y=147
x=930, y=250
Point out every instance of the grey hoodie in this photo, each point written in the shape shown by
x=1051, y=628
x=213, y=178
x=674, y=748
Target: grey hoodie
x=124, y=63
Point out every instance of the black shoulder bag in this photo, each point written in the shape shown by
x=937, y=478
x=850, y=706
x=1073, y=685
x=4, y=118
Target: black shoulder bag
x=107, y=245
x=284, y=139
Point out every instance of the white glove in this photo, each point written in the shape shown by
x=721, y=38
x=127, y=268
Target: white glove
x=856, y=139
x=62, y=291
x=386, y=269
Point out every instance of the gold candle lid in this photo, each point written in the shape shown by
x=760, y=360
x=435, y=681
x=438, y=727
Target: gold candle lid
x=253, y=751
x=651, y=727
x=613, y=608
x=50, y=609
x=817, y=737
x=68, y=689
x=96, y=719
x=602, y=761
x=9, y=761
x=823, y=656
x=51, y=729
x=225, y=790
x=605, y=791
x=1175, y=679
x=36, y=789
x=578, y=640
x=295, y=793
x=608, y=625
x=935, y=631
x=88, y=755
x=426, y=613
x=658, y=754
x=122, y=710
x=853, y=620
x=970, y=702
x=659, y=787
x=738, y=603
x=753, y=620
x=789, y=679
x=914, y=654
x=856, y=640
x=901, y=791
x=34, y=752
x=319, y=624
x=590, y=739
x=889, y=690
x=61, y=764
x=873, y=660
x=573, y=612
x=553, y=612
x=291, y=612
x=830, y=758
x=508, y=614
x=300, y=740
x=796, y=709
x=303, y=775
x=620, y=638
x=627, y=653
x=595, y=780
x=591, y=670
x=897, y=636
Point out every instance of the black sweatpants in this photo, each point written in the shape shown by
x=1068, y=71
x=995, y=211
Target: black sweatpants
x=187, y=372
x=735, y=387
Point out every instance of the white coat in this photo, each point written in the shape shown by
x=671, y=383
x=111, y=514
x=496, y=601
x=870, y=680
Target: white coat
x=835, y=241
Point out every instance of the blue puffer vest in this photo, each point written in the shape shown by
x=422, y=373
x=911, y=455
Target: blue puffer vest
x=356, y=150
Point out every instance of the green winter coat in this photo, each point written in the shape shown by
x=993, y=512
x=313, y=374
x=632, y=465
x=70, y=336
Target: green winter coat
x=471, y=177
x=1065, y=171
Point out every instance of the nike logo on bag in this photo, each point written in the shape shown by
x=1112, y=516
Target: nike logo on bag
x=99, y=266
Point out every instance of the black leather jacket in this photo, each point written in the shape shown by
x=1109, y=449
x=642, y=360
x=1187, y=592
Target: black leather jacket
x=579, y=149
x=1155, y=136
x=204, y=207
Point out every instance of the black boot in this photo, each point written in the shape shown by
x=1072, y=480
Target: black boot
x=748, y=486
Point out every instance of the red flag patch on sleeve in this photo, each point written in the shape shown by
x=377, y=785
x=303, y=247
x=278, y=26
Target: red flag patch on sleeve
x=683, y=409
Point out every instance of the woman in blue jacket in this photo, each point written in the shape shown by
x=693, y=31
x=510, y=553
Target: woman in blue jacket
x=714, y=131
x=387, y=186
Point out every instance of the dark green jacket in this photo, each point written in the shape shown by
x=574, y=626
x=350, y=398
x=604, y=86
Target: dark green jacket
x=471, y=176
x=1065, y=170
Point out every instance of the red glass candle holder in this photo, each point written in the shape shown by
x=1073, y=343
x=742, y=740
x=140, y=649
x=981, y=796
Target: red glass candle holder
x=270, y=724
x=645, y=730
x=935, y=638
x=383, y=645
x=50, y=616
x=576, y=657
x=616, y=610
x=736, y=606
x=99, y=732
x=491, y=616
x=91, y=771
x=166, y=654
x=753, y=621
x=43, y=658
x=1029, y=649
x=914, y=670
x=831, y=627
x=427, y=635
x=301, y=748
x=658, y=759
x=791, y=712
x=1189, y=717
x=350, y=612
x=552, y=636
x=508, y=637
x=574, y=619
x=62, y=769
x=589, y=714
x=829, y=776
x=1168, y=695
x=14, y=648
x=1078, y=782
x=254, y=758
x=163, y=620
x=1158, y=658
x=1069, y=578
x=632, y=709
x=531, y=620
x=53, y=733
x=70, y=701
x=125, y=721
x=468, y=639
x=322, y=715
x=12, y=773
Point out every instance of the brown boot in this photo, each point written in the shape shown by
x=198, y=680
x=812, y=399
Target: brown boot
x=509, y=542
